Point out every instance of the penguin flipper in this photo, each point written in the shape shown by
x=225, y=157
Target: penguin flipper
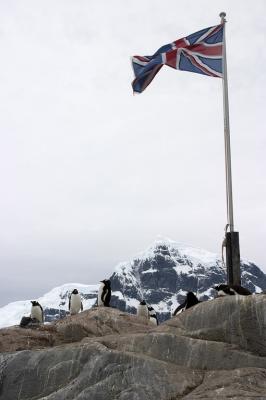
x=81, y=306
x=103, y=295
x=42, y=314
x=180, y=308
x=69, y=303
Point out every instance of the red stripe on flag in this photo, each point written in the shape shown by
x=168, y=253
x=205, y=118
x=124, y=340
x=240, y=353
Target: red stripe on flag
x=170, y=57
x=207, y=50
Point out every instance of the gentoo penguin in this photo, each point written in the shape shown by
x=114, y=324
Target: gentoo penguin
x=142, y=310
x=104, y=293
x=36, y=311
x=231, y=290
x=190, y=301
x=75, y=303
x=152, y=315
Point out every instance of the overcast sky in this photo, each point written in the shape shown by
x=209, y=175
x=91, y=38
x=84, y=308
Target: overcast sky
x=91, y=174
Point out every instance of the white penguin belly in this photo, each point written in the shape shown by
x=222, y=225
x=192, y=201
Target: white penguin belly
x=100, y=302
x=222, y=293
x=153, y=321
x=143, y=311
x=75, y=304
x=36, y=313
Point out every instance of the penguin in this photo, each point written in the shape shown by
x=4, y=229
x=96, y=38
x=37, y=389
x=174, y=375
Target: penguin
x=36, y=311
x=142, y=310
x=75, y=303
x=231, y=290
x=153, y=316
x=190, y=301
x=104, y=293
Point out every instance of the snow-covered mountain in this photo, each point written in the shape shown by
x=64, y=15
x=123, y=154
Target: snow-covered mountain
x=167, y=270
x=54, y=303
x=162, y=275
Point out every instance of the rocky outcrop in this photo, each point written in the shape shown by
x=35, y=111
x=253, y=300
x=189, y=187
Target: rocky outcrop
x=96, y=322
x=215, y=350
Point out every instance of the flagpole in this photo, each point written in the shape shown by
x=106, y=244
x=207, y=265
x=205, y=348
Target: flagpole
x=232, y=237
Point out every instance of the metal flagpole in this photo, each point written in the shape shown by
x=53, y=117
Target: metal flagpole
x=232, y=237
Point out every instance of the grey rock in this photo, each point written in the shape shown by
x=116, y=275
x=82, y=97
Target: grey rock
x=216, y=349
x=236, y=320
x=238, y=384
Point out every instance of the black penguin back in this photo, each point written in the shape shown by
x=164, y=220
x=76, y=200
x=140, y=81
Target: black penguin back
x=192, y=300
x=107, y=289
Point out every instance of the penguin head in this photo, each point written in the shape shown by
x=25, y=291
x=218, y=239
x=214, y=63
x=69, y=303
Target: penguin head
x=75, y=291
x=34, y=303
x=142, y=303
x=106, y=282
x=192, y=300
x=223, y=290
x=220, y=287
x=150, y=308
x=191, y=297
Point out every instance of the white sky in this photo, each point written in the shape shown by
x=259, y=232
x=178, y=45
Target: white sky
x=91, y=174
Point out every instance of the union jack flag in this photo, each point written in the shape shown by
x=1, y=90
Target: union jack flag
x=201, y=52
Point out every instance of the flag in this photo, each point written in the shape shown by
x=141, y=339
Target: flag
x=201, y=52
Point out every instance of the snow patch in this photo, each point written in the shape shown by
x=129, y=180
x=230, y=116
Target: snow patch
x=183, y=269
x=149, y=271
x=258, y=289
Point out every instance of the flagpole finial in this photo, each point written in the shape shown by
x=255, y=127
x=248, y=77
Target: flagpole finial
x=222, y=15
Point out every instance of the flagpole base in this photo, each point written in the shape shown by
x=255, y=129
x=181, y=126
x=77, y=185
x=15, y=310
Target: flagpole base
x=233, y=258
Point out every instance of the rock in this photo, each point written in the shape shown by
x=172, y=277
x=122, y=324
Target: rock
x=244, y=383
x=216, y=349
x=17, y=339
x=236, y=320
x=99, y=321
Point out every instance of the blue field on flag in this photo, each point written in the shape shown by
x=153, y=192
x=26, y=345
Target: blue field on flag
x=200, y=52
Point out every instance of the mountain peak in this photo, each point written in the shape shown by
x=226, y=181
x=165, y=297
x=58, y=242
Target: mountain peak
x=173, y=249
